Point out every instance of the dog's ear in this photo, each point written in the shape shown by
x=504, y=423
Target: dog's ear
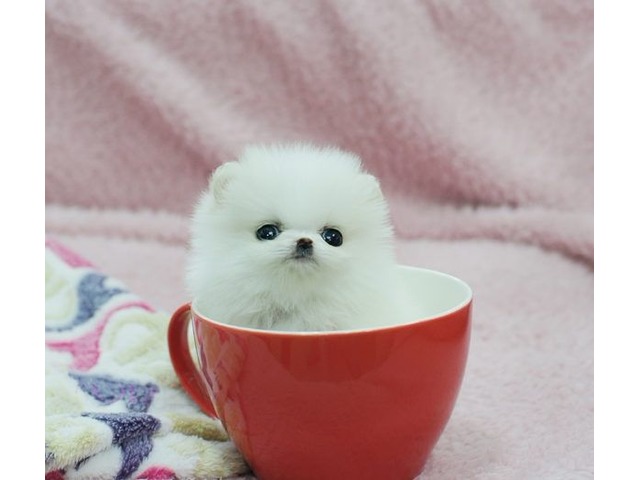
x=221, y=178
x=371, y=185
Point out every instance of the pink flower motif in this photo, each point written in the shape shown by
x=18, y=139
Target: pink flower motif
x=70, y=258
x=157, y=473
x=86, y=349
x=55, y=475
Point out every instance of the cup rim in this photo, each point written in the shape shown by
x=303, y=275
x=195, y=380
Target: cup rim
x=359, y=331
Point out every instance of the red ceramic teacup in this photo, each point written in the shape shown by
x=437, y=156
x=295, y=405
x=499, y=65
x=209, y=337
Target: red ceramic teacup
x=367, y=404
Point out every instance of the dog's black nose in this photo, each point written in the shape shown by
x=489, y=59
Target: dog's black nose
x=304, y=247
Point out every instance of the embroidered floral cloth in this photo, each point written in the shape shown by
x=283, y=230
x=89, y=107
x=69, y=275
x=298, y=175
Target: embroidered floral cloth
x=114, y=407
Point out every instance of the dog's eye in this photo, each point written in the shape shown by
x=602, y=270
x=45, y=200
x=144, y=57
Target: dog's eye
x=267, y=232
x=332, y=236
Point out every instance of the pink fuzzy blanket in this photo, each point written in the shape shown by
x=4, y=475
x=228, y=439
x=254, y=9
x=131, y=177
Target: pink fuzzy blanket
x=476, y=116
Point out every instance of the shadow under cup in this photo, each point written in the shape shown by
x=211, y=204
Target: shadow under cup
x=331, y=405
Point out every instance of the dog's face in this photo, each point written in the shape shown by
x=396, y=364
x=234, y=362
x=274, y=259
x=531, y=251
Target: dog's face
x=299, y=248
x=299, y=213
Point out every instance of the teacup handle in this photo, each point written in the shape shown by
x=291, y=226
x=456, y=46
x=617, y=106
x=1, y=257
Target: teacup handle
x=189, y=375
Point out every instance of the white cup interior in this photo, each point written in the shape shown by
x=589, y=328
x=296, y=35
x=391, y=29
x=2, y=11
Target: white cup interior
x=430, y=294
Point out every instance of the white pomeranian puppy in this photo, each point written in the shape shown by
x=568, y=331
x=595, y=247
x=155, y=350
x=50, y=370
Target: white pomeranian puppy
x=292, y=238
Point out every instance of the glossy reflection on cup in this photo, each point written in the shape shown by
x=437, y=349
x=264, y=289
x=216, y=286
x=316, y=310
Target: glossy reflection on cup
x=329, y=405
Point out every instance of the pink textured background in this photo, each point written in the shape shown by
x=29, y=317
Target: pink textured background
x=476, y=116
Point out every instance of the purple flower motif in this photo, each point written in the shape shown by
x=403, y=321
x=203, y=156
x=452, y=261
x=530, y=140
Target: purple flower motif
x=107, y=390
x=132, y=432
x=92, y=294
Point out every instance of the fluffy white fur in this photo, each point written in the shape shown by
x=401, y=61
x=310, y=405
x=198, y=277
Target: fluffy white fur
x=236, y=278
